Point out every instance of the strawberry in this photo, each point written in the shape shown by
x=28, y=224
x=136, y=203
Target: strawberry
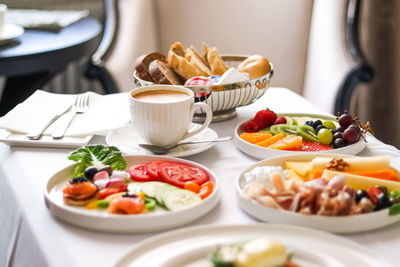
x=250, y=127
x=264, y=118
x=280, y=120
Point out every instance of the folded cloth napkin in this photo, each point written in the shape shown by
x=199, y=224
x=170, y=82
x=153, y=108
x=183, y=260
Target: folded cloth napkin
x=44, y=19
x=106, y=112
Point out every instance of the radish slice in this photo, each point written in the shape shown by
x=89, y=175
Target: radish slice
x=101, y=183
x=115, y=182
x=120, y=174
x=100, y=175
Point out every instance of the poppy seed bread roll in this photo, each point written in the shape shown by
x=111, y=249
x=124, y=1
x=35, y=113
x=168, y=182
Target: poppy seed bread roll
x=143, y=62
x=162, y=73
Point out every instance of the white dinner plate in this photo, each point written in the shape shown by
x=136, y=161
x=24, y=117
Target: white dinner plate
x=127, y=140
x=101, y=220
x=259, y=152
x=334, y=224
x=9, y=32
x=191, y=247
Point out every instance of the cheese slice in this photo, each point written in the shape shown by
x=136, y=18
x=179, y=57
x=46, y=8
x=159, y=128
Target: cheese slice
x=362, y=182
x=355, y=164
x=302, y=168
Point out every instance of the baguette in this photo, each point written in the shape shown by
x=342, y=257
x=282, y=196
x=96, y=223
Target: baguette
x=143, y=62
x=197, y=61
x=179, y=64
x=217, y=64
x=162, y=73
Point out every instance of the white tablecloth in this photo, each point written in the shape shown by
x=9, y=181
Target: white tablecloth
x=56, y=243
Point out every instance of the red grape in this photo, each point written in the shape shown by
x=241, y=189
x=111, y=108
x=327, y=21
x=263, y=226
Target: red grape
x=338, y=135
x=338, y=143
x=351, y=135
x=355, y=127
x=345, y=120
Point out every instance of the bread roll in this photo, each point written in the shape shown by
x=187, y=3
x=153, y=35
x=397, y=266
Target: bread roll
x=143, y=62
x=256, y=66
x=162, y=73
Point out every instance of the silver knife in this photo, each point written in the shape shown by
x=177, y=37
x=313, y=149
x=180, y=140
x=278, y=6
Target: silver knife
x=36, y=133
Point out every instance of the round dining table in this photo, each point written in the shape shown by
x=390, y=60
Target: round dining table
x=32, y=236
x=31, y=60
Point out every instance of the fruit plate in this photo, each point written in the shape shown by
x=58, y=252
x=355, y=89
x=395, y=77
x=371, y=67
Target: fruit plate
x=192, y=246
x=334, y=224
x=100, y=220
x=259, y=152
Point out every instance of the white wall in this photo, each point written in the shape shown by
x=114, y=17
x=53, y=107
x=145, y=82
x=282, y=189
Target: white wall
x=277, y=29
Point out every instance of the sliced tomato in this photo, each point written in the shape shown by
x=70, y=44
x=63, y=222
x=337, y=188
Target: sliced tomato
x=373, y=194
x=179, y=173
x=103, y=193
x=138, y=172
x=152, y=168
x=206, y=189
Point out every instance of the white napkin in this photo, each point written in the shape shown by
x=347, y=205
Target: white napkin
x=44, y=19
x=106, y=112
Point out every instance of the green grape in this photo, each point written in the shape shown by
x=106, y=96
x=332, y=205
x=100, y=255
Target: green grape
x=325, y=136
x=329, y=125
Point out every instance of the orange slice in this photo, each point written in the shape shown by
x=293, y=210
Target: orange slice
x=255, y=137
x=289, y=142
x=271, y=140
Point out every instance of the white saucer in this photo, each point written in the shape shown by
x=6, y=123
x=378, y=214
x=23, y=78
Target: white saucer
x=9, y=32
x=127, y=140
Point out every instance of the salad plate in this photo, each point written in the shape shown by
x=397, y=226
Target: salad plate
x=192, y=246
x=259, y=152
x=127, y=140
x=101, y=220
x=336, y=224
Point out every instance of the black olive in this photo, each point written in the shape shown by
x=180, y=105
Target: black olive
x=79, y=179
x=383, y=202
x=107, y=168
x=360, y=194
x=383, y=189
x=90, y=172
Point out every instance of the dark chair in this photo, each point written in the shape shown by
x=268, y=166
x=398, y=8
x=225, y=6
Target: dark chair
x=95, y=69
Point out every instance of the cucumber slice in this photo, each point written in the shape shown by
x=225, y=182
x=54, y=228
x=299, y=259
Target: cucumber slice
x=178, y=199
x=161, y=190
x=134, y=188
x=150, y=188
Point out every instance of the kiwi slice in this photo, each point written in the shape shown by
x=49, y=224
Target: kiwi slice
x=307, y=132
x=287, y=129
x=290, y=120
x=274, y=129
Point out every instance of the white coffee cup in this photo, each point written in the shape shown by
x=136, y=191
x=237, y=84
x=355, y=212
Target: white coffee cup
x=162, y=114
x=3, y=9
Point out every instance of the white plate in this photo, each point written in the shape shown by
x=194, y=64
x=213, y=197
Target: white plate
x=9, y=32
x=334, y=224
x=192, y=246
x=259, y=152
x=17, y=139
x=102, y=221
x=127, y=140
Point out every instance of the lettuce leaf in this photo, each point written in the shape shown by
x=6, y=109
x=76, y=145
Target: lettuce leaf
x=97, y=156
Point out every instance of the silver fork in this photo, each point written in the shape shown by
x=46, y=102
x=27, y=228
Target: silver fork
x=81, y=106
